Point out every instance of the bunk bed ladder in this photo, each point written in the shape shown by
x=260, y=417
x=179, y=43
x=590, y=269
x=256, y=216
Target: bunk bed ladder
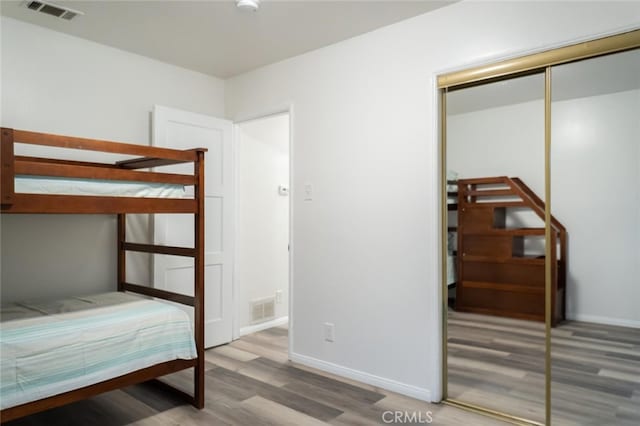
x=197, y=253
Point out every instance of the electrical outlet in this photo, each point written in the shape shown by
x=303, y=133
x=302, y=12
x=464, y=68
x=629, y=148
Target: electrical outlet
x=278, y=296
x=329, y=332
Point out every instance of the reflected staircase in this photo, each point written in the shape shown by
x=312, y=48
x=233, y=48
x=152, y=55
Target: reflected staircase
x=495, y=274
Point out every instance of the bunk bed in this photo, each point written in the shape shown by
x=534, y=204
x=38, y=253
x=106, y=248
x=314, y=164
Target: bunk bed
x=497, y=275
x=48, y=185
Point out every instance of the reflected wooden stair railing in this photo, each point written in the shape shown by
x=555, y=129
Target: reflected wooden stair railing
x=495, y=275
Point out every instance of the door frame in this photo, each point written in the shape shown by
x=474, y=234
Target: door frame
x=258, y=115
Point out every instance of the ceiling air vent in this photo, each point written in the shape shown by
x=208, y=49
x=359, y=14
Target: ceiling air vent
x=52, y=9
x=34, y=5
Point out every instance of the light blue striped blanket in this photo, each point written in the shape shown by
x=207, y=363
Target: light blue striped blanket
x=54, y=347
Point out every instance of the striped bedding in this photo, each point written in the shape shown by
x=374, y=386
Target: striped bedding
x=54, y=347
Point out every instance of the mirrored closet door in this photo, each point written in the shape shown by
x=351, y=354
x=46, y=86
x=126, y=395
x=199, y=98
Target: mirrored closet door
x=541, y=235
x=496, y=246
x=595, y=187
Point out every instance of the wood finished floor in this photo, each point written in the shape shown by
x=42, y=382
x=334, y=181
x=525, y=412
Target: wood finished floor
x=250, y=382
x=499, y=363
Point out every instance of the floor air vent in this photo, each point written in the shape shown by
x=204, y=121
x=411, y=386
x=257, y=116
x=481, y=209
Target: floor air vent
x=52, y=9
x=263, y=309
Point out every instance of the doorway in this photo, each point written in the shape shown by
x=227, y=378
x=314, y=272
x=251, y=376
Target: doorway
x=261, y=281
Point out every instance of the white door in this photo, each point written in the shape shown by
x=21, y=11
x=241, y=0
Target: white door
x=173, y=128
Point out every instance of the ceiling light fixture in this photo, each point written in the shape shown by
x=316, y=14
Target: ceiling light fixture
x=248, y=5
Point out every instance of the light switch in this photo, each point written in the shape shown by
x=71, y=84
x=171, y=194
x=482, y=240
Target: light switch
x=329, y=332
x=308, y=192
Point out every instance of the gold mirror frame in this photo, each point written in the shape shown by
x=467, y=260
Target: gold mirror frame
x=539, y=62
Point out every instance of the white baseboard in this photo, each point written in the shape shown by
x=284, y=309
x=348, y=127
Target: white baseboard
x=263, y=325
x=604, y=320
x=381, y=382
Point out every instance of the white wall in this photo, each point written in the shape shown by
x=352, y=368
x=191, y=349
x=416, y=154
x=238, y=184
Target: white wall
x=502, y=141
x=365, y=250
x=263, y=215
x=56, y=83
x=595, y=179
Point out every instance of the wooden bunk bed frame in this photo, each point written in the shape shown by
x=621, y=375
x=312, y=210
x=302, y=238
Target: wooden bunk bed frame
x=128, y=170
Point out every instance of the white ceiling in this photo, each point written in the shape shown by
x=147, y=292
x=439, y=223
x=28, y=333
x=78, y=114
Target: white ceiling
x=216, y=38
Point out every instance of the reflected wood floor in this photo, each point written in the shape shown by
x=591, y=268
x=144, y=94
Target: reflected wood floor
x=250, y=382
x=499, y=363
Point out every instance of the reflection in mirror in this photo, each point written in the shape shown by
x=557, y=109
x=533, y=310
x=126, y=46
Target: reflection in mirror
x=595, y=184
x=496, y=246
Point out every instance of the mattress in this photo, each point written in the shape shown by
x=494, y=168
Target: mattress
x=54, y=347
x=71, y=186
